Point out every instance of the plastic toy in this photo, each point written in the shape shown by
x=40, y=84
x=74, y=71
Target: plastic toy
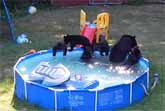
x=99, y=26
x=32, y=10
x=82, y=21
x=22, y=39
x=102, y=24
x=89, y=32
x=32, y=51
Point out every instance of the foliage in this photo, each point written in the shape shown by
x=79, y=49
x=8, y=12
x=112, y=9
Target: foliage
x=15, y=5
x=136, y=2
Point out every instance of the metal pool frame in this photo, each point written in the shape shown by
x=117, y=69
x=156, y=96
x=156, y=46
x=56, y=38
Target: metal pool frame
x=109, y=98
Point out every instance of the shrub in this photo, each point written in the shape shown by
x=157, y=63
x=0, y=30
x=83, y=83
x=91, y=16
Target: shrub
x=14, y=5
x=135, y=2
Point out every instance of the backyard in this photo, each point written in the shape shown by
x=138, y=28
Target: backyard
x=47, y=26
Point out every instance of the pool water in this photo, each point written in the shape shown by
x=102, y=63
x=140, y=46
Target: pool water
x=98, y=68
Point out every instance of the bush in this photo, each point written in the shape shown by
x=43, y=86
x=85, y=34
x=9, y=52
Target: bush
x=19, y=7
x=135, y=2
x=14, y=5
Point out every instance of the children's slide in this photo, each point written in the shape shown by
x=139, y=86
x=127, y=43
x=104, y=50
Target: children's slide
x=89, y=32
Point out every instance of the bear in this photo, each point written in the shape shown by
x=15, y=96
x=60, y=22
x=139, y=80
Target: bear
x=103, y=46
x=133, y=56
x=120, y=51
x=86, y=55
x=74, y=40
x=59, y=46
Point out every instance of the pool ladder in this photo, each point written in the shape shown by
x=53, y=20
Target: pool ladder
x=155, y=82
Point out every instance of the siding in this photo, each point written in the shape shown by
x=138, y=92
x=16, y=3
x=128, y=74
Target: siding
x=81, y=2
x=69, y=2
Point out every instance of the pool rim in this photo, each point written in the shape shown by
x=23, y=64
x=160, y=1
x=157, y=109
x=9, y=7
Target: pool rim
x=77, y=49
x=129, y=89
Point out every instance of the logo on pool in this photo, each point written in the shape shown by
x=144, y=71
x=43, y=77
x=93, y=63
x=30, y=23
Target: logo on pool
x=50, y=71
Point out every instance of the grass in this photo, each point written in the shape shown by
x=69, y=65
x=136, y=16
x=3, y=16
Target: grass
x=47, y=26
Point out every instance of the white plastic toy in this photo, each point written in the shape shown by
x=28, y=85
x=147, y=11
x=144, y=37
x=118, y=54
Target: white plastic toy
x=32, y=10
x=22, y=39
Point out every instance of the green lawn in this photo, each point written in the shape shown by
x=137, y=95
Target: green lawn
x=47, y=26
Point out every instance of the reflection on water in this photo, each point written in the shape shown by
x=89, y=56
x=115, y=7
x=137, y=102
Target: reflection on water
x=98, y=68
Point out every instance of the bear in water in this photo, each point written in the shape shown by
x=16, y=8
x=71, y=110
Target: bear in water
x=103, y=46
x=125, y=50
x=59, y=46
x=74, y=40
x=133, y=56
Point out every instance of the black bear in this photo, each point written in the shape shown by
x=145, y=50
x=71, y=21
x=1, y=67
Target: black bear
x=104, y=47
x=59, y=46
x=125, y=48
x=74, y=40
x=87, y=53
x=133, y=56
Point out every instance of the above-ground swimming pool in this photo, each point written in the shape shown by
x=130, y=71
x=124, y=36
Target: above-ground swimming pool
x=95, y=85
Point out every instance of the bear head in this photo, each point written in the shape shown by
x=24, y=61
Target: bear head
x=129, y=39
x=66, y=39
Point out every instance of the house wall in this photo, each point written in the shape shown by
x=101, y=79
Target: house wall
x=69, y=2
x=81, y=2
x=155, y=1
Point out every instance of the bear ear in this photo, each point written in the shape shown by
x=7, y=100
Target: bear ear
x=134, y=36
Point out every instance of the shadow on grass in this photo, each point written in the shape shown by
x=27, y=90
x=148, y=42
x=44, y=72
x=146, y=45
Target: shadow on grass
x=23, y=105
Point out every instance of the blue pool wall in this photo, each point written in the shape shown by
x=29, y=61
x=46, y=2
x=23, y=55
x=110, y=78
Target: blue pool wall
x=110, y=98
